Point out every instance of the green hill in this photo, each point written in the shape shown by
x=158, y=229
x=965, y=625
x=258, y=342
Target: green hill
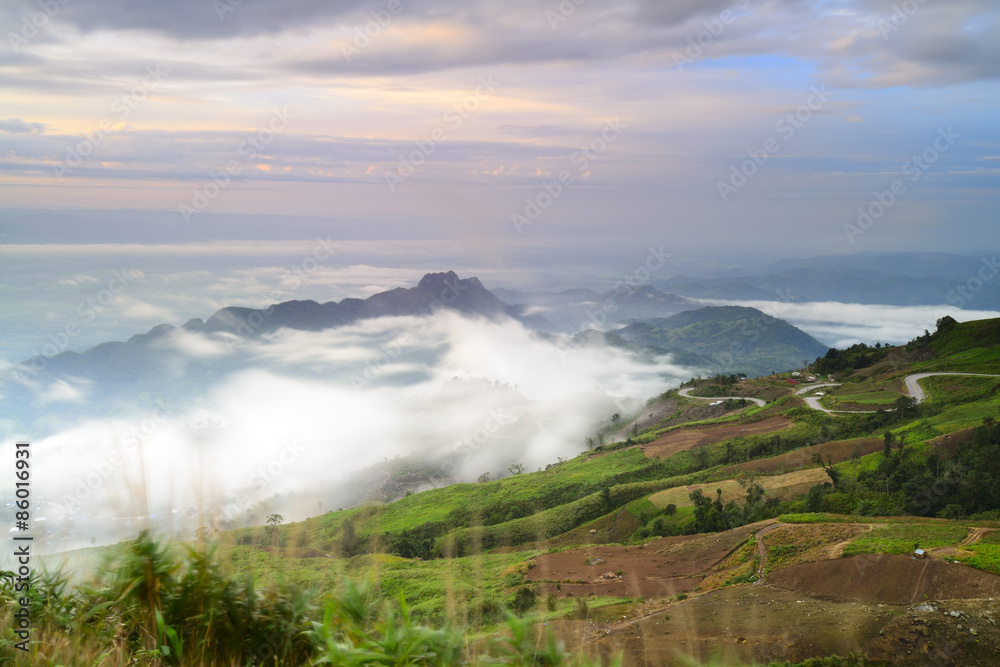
x=735, y=338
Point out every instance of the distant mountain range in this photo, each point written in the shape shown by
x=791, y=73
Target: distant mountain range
x=898, y=279
x=708, y=339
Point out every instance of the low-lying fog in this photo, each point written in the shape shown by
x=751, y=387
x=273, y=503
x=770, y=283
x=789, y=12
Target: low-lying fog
x=308, y=411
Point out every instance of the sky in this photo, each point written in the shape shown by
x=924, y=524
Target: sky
x=161, y=160
x=754, y=126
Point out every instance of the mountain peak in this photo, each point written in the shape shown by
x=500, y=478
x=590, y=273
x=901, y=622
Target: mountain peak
x=439, y=280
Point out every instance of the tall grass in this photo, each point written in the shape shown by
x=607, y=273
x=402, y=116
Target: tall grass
x=158, y=604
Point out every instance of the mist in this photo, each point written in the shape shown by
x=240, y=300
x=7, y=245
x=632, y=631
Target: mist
x=306, y=422
x=841, y=325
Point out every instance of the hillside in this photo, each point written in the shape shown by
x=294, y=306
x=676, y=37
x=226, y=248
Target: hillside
x=726, y=530
x=737, y=339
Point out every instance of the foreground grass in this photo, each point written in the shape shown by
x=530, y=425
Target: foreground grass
x=167, y=604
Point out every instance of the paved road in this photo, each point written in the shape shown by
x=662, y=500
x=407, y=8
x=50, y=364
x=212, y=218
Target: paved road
x=913, y=383
x=814, y=401
x=685, y=394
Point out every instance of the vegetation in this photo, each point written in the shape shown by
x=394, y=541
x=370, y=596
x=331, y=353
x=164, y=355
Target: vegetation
x=446, y=576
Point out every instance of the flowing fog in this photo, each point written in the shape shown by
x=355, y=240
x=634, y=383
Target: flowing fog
x=841, y=325
x=303, y=414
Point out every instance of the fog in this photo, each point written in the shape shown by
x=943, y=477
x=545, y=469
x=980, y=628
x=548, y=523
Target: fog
x=304, y=417
x=841, y=325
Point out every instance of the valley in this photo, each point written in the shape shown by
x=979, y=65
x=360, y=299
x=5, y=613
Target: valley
x=718, y=529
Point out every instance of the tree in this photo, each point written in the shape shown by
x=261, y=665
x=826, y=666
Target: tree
x=606, y=497
x=904, y=404
x=349, y=542
x=515, y=468
x=272, y=522
x=833, y=473
x=485, y=477
x=887, y=443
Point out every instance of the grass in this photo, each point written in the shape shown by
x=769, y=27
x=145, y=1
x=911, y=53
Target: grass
x=956, y=388
x=986, y=558
x=880, y=398
x=903, y=538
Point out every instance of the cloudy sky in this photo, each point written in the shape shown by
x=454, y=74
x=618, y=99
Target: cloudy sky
x=160, y=160
x=454, y=120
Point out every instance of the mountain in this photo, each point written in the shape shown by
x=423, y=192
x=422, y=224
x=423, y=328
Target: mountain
x=902, y=279
x=435, y=290
x=149, y=363
x=735, y=338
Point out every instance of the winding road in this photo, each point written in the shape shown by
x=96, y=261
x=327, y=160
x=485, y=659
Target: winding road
x=758, y=401
x=912, y=383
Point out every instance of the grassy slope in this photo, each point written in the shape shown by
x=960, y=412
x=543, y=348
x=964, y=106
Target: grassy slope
x=567, y=502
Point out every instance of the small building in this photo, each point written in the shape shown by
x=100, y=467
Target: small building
x=919, y=553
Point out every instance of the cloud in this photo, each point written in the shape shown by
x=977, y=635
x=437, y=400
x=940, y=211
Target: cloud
x=137, y=309
x=71, y=390
x=315, y=408
x=860, y=42
x=18, y=126
x=841, y=325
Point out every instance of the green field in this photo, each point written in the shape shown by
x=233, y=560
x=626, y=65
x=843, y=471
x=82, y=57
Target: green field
x=903, y=538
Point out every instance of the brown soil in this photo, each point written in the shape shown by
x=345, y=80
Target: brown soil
x=661, y=568
x=812, y=542
x=739, y=626
x=887, y=579
x=840, y=450
x=787, y=485
x=683, y=439
x=950, y=442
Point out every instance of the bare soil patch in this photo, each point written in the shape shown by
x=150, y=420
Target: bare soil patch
x=740, y=626
x=685, y=438
x=661, y=568
x=840, y=450
x=888, y=579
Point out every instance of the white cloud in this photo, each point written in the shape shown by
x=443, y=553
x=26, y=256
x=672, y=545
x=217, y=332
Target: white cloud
x=843, y=324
